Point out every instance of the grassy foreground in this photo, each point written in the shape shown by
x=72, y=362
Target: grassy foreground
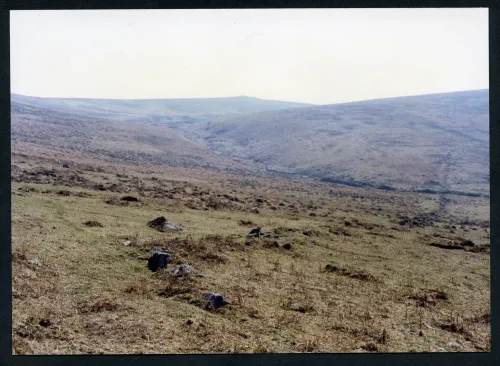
x=388, y=289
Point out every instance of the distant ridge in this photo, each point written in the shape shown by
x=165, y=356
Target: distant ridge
x=164, y=107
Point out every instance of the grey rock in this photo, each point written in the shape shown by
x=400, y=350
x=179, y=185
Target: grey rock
x=217, y=300
x=159, y=259
x=255, y=231
x=183, y=270
x=170, y=226
x=271, y=236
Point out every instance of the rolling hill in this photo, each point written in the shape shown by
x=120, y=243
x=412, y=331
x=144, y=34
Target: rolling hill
x=432, y=142
x=35, y=129
x=163, y=111
x=435, y=143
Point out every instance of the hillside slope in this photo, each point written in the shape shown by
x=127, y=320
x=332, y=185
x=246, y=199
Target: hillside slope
x=436, y=141
x=36, y=129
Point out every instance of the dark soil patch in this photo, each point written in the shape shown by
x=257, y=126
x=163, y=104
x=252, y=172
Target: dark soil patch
x=176, y=289
x=462, y=244
x=301, y=308
x=359, y=275
x=97, y=305
x=339, y=232
x=130, y=199
x=212, y=257
x=93, y=224
x=370, y=347
x=423, y=220
x=246, y=223
x=429, y=298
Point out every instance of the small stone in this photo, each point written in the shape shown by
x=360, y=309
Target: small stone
x=127, y=243
x=184, y=270
x=189, y=322
x=453, y=345
x=217, y=300
x=287, y=246
x=35, y=261
x=173, y=227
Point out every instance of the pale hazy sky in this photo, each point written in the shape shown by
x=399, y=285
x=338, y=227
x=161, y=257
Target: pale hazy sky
x=306, y=55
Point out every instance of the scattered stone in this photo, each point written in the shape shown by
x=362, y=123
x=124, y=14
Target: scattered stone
x=255, y=210
x=66, y=166
x=313, y=214
x=35, y=261
x=130, y=199
x=215, y=299
x=314, y=242
x=189, y=322
x=159, y=259
x=183, y=270
x=287, y=246
x=127, y=243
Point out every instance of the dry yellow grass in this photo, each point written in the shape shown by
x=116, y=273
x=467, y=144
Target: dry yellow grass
x=91, y=294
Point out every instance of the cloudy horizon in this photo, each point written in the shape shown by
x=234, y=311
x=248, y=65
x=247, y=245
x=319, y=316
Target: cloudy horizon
x=318, y=56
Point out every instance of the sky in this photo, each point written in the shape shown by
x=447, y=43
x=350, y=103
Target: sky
x=319, y=56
